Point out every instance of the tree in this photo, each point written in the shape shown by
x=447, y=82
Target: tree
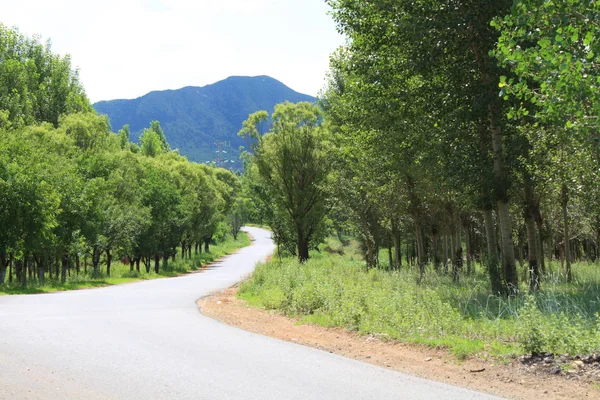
x=292, y=167
x=155, y=126
x=35, y=84
x=553, y=50
x=424, y=67
x=124, y=134
x=151, y=145
x=70, y=188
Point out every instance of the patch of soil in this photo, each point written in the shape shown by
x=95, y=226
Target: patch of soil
x=527, y=378
x=581, y=368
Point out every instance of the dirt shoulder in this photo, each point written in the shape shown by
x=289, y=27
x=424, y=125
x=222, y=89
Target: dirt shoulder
x=515, y=380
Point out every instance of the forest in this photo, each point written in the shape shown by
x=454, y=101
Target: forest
x=75, y=195
x=459, y=144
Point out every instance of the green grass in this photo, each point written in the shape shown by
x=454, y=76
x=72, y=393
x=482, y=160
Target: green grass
x=120, y=273
x=336, y=290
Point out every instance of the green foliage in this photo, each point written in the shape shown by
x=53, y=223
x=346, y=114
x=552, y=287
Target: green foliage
x=35, y=84
x=151, y=145
x=289, y=167
x=124, y=134
x=73, y=190
x=553, y=50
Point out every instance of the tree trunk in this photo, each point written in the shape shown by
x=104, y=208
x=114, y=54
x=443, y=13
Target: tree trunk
x=63, y=270
x=565, y=215
x=390, y=257
x=420, y=249
x=532, y=243
x=24, y=268
x=458, y=255
x=302, y=248
x=397, y=244
x=206, y=245
x=435, y=248
x=20, y=271
x=509, y=265
x=40, y=271
x=3, y=264
x=96, y=261
x=492, y=247
x=537, y=216
x=598, y=238
x=183, y=250
x=598, y=241
x=156, y=263
x=137, y=264
x=469, y=242
x=445, y=264
x=77, y=263
x=534, y=275
x=540, y=246
x=486, y=67
x=10, y=269
x=108, y=261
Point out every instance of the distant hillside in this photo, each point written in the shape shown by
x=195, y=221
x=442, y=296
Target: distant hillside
x=193, y=118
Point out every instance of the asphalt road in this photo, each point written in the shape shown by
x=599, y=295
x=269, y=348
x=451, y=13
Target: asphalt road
x=147, y=340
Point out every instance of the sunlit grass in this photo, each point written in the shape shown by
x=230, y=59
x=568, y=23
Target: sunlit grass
x=334, y=289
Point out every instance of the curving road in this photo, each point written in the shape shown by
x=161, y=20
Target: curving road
x=147, y=340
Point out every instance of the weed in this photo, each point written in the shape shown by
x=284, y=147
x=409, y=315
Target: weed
x=335, y=289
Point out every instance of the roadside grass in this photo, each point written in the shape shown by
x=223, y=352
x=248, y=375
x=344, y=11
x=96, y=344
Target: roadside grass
x=334, y=289
x=121, y=273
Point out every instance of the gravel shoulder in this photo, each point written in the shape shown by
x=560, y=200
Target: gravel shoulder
x=518, y=379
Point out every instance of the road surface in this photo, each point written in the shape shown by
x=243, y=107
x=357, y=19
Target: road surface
x=147, y=340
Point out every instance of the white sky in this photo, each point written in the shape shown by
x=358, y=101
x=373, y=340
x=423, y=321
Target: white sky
x=126, y=48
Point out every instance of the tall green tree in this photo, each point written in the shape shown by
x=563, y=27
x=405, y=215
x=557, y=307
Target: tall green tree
x=293, y=167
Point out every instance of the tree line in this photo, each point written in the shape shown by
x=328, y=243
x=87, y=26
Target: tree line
x=465, y=131
x=73, y=193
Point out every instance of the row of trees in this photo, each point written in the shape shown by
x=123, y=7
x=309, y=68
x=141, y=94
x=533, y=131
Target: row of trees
x=70, y=189
x=73, y=192
x=445, y=125
x=458, y=121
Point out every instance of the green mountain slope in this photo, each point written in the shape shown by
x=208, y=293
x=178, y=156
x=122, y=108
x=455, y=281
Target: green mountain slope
x=194, y=118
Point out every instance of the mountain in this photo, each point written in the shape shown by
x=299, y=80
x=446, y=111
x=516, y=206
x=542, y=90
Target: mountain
x=194, y=118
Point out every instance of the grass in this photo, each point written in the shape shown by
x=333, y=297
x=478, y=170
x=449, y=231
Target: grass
x=120, y=273
x=337, y=290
